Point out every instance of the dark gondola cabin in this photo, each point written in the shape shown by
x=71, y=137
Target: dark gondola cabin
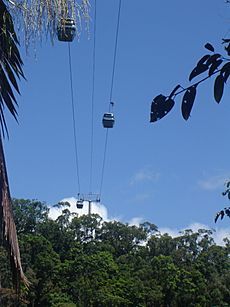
x=66, y=30
x=108, y=120
x=79, y=204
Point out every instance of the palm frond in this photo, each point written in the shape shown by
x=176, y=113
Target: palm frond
x=38, y=18
x=10, y=65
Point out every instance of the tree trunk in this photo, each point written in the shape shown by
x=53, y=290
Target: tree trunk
x=10, y=240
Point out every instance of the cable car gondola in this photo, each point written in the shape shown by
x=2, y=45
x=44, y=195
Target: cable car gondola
x=66, y=30
x=79, y=204
x=108, y=120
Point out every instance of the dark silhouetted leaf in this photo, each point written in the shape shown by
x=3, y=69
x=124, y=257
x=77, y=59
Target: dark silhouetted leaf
x=217, y=216
x=209, y=47
x=214, y=66
x=160, y=107
x=11, y=76
x=225, y=71
x=218, y=88
x=225, y=40
x=213, y=58
x=222, y=214
x=187, y=102
x=203, y=59
x=198, y=70
x=7, y=93
x=228, y=49
x=227, y=211
x=174, y=91
x=158, y=100
x=3, y=121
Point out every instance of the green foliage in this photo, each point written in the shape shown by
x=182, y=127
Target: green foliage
x=28, y=214
x=122, y=238
x=84, y=261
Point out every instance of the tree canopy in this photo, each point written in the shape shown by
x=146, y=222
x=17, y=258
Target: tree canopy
x=118, y=265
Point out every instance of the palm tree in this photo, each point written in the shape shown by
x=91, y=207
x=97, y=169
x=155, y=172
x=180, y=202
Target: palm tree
x=37, y=17
x=10, y=69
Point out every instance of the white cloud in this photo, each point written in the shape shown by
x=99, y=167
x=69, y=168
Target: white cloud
x=136, y=221
x=172, y=232
x=145, y=174
x=96, y=208
x=218, y=235
x=213, y=183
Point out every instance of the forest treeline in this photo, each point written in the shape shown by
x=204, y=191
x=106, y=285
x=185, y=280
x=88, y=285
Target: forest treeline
x=85, y=261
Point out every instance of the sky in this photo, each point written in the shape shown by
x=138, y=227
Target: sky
x=170, y=173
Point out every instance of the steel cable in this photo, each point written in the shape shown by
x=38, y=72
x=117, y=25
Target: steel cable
x=111, y=93
x=74, y=121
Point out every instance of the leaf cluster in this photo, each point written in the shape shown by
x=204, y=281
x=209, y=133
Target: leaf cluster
x=212, y=64
x=225, y=211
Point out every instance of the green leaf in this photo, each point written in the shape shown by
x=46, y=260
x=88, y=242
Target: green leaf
x=188, y=101
x=209, y=47
x=198, y=70
x=218, y=88
x=160, y=107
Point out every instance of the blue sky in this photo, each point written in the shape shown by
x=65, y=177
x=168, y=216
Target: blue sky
x=170, y=173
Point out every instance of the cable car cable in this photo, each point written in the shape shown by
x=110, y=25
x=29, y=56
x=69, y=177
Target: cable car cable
x=115, y=54
x=111, y=93
x=103, y=163
x=92, y=99
x=74, y=121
